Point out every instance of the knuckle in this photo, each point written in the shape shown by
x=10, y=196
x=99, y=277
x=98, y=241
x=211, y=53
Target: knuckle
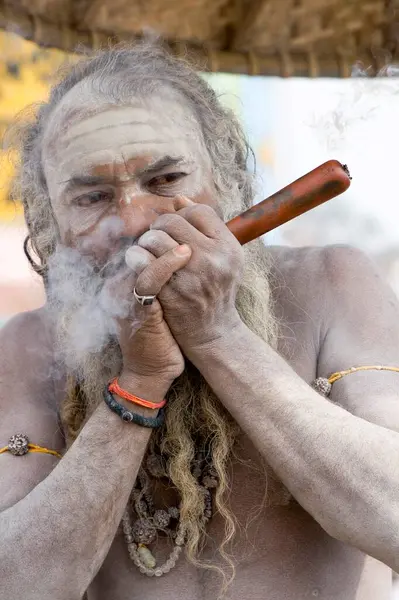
x=144, y=282
x=224, y=266
x=200, y=210
x=167, y=221
x=206, y=209
x=137, y=258
x=156, y=240
x=237, y=256
x=167, y=265
x=150, y=238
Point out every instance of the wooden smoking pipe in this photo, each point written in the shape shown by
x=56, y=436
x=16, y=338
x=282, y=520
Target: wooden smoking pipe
x=323, y=183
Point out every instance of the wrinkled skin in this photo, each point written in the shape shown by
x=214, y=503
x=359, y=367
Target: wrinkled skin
x=130, y=195
x=333, y=460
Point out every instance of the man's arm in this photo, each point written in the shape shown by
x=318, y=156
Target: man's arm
x=59, y=516
x=341, y=468
x=363, y=330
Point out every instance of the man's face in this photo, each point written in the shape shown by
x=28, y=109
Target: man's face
x=111, y=173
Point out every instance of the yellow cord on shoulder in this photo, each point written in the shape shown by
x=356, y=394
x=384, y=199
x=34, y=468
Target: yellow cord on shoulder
x=34, y=448
x=331, y=379
x=336, y=376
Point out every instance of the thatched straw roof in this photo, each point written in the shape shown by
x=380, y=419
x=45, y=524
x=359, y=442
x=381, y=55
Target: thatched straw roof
x=308, y=38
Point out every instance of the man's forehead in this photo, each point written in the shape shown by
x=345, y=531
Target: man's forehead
x=121, y=129
x=84, y=104
x=121, y=159
x=98, y=133
x=119, y=133
x=153, y=114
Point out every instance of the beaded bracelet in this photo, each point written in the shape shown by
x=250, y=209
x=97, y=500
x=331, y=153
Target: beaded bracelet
x=130, y=417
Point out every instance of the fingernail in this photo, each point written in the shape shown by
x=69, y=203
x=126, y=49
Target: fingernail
x=182, y=250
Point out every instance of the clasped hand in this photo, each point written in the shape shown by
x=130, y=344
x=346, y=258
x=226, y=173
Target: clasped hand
x=198, y=299
x=193, y=264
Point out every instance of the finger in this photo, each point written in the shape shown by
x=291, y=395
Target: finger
x=182, y=202
x=120, y=286
x=157, y=274
x=137, y=259
x=204, y=218
x=157, y=242
x=178, y=228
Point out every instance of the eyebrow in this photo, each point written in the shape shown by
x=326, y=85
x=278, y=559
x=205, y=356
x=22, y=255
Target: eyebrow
x=161, y=163
x=93, y=180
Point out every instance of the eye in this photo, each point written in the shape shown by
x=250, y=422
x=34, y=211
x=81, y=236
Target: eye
x=166, y=179
x=92, y=198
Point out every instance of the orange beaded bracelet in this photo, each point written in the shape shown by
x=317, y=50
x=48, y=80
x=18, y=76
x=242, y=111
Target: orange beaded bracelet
x=115, y=389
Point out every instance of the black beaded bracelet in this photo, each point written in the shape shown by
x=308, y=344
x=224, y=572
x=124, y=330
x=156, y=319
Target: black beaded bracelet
x=131, y=417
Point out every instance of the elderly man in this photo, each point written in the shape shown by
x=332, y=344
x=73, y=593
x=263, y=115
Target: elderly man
x=168, y=438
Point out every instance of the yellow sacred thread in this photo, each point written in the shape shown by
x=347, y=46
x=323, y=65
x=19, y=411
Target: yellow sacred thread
x=340, y=374
x=34, y=448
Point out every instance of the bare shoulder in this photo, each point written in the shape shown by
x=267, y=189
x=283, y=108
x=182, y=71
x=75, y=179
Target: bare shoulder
x=299, y=281
x=305, y=262
x=29, y=380
x=318, y=276
x=26, y=348
x=23, y=327
x=28, y=403
x=324, y=293
x=337, y=311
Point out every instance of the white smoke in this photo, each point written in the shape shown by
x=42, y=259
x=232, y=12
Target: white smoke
x=359, y=102
x=82, y=301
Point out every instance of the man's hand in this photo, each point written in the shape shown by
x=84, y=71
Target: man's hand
x=198, y=301
x=149, y=350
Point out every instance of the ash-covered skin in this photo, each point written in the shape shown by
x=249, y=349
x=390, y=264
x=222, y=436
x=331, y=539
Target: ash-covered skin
x=330, y=458
x=117, y=169
x=111, y=171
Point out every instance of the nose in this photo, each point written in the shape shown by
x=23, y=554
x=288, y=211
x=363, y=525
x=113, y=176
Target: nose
x=138, y=212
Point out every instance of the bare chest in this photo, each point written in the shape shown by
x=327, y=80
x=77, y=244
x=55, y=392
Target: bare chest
x=278, y=552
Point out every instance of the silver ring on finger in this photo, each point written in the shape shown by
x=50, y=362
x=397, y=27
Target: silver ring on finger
x=143, y=300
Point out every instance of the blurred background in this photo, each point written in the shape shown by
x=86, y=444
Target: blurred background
x=293, y=124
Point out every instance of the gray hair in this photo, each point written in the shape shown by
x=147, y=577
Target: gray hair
x=146, y=67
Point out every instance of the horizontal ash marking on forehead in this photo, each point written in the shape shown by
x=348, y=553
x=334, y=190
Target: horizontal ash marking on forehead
x=125, y=148
x=104, y=147
x=130, y=125
x=102, y=125
x=71, y=138
x=85, y=162
x=115, y=117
